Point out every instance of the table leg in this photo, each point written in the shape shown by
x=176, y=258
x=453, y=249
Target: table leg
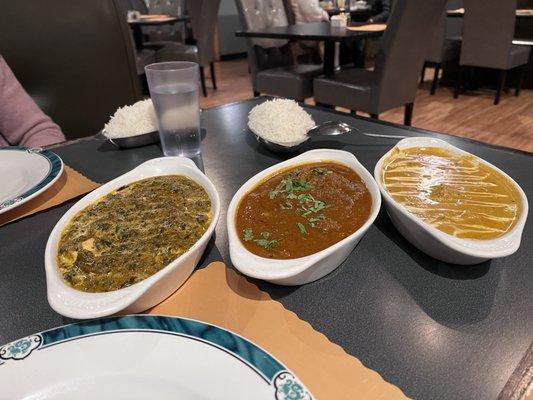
x=329, y=57
x=137, y=36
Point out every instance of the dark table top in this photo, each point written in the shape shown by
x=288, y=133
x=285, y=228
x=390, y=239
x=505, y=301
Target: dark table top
x=435, y=330
x=521, y=13
x=322, y=31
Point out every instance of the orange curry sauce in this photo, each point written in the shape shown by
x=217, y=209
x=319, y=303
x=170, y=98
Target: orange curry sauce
x=302, y=210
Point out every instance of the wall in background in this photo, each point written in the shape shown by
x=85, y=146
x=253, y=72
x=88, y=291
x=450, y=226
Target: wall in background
x=228, y=23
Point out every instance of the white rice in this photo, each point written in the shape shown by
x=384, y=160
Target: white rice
x=133, y=120
x=280, y=120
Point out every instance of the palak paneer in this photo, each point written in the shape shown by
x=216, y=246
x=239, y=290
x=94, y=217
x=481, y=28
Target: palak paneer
x=133, y=232
x=457, y=194
x=302, y=210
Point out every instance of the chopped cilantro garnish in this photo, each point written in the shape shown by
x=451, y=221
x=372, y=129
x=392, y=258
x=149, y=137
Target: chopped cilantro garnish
x=321, y=171
x=302, y=229
x=314, y=220
x=248, y=235
x=265, y=241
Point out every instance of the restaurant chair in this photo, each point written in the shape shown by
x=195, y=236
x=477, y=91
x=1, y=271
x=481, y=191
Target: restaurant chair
x=394, y=80
x=79, y=79
x=442, y=49
x=137, y=5
x=488, y=31
x=272, y=61
x=204, y=15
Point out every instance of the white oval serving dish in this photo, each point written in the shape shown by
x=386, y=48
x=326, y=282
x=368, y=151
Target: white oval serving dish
x=436, y=243
x=149, y=292
x=307, y=269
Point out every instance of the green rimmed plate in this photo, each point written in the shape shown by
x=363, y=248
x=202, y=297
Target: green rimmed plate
x=143, y=356
x=26, y=172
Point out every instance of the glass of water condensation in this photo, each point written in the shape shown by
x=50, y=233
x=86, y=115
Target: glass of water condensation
x=174, y=92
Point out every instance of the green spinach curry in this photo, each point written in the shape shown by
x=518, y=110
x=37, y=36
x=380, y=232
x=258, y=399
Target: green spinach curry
x=132, y=233
x=302, y=210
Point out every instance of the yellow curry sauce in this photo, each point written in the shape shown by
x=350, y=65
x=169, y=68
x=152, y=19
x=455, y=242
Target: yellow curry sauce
x=132, y=233
x=457, y=194
x=302, y=210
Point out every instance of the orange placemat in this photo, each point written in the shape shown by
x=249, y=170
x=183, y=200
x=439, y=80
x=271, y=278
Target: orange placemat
x=368, y=28
x=70, y=184
x=154, y=16
x=524, y=11
x=457, y=10
x=220, y=296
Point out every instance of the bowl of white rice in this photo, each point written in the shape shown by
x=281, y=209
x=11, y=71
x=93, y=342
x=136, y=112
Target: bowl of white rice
x=280, y=124
x=133, y=125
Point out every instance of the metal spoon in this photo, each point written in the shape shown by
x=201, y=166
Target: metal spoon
x=333, y=128
x=328, y=128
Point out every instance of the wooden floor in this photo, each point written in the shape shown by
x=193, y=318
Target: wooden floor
x=472, y=115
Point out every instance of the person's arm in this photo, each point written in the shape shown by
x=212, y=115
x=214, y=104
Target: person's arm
x=383, y=16
x=311, y=11
x=22, y=122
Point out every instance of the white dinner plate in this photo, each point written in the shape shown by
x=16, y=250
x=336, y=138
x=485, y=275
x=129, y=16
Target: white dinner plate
x=26, y=172
x=141, y=357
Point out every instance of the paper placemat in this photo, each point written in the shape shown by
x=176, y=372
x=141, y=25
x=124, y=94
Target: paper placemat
x=524, y=11
x=152, y=16
x=368, y=28
x=70, y=184
x=456, y=11
x=220, y=296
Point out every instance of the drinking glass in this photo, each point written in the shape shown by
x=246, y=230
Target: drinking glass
x=174, y=92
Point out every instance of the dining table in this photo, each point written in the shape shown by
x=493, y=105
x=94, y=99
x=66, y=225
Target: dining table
x=520, y=13
x=136, y=25
x=435, y=330
x=314, y=31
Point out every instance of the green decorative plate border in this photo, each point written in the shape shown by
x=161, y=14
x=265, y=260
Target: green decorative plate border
x=56, y=168
x=285, y=385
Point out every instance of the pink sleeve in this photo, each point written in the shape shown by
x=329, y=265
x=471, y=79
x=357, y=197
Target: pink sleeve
x=22, y=122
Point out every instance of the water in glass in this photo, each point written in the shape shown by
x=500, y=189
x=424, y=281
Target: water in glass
x=178, y=115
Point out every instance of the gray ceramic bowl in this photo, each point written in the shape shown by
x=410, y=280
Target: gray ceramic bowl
x=135, y=141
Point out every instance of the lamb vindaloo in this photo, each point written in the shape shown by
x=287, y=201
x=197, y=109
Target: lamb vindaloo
x=132, y=233
x=302, y=210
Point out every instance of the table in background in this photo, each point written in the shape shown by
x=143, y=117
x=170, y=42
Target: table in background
x=136, y=26
x=315, y=31
x=520, y=13
x=437, y=331
x=523, y=32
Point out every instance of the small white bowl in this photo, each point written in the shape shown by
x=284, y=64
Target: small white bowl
x=149, y=292
x=436, y=243
x=307, y=269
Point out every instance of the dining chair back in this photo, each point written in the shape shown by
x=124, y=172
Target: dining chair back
x=203, y=15
x=394, y=81
x=437, y=40
x=442, y=49
x=137, y=5
x=488, y=32
x=403, y=49
x=287, y=5
x=271, y=61
x=74, y=57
